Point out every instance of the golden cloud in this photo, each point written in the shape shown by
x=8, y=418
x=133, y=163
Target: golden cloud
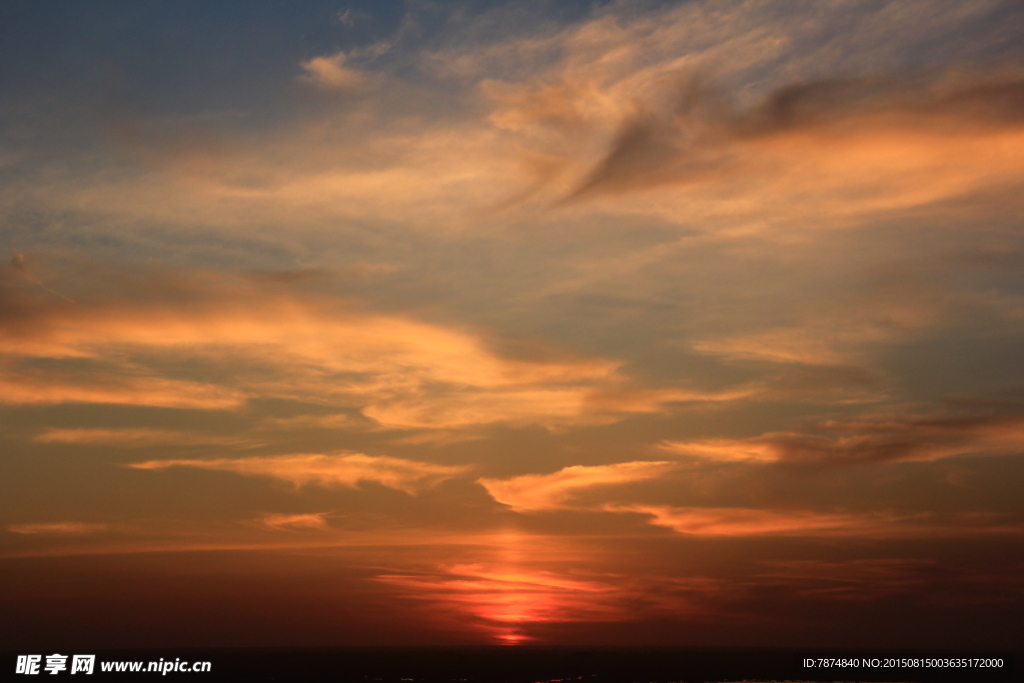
x=51, y=387
x=331, y=73
x=504, y=599
x=869, y=440
x=134, y=437
x=314, y=520
x=753, y=522
x=328, y=471
x=708, y=521
x=58, y=528
x=536, y=492
x=401, y=373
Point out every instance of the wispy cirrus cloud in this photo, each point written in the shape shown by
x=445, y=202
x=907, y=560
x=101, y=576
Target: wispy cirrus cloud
x=583, y=111
x=504, y=599
x=508, y=600
x=867, y=578
x=705, y=139
x=873, y=439
x=329, y=471
x=824, y=339
x=58, y=528
x=747, y=522
x=271, y=342
x=133, y=438
x=308, y=521
x=538, y=492
x=21, y=388
x=757, y=522
x=731, y=115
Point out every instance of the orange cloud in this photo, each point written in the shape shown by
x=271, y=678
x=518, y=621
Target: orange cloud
x=331, y=73
x=836, y=337
x=502, y=600
x=134, y=437
x=618, y=110
x=53, y=387
x=504, y=583
x=535, y=492
x=595, y=111
x=723, y=450
x=59, y=528
x=266, y=342
x=751, y=522
x=327, y=470
x=754, y=522
x=874, y=439
x=313, y=520
x=698, y=141
x=335, y=421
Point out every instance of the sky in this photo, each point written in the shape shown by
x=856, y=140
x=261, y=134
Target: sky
x=555, y=323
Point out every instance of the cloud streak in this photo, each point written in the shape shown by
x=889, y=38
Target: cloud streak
x=49, y=388
x=135, y=438
x=752, y=522
x=539, y=492
x=329, y=471
x=703, y=137
x=298, y=522
x=58, y=528
x=504, y=599
x=267, y=342
x=757, y=522
x=871, y=440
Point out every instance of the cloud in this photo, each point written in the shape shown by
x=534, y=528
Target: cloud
x=624, y=103
x=330, y=73
x=744, y=522
x=314, y=520
x=58, y=528
x=559, y=95
x=328, y=471
x=945, y=584
x=334, y=421
x=134, y=438
x=536, y=492
x=48, y=388
x=753, y=522
x=350, y=17
x=723, y=450
x=771, y=144
x=870, y=440
x=505, y=599
x=20, y=267
x=704, y=139
x=813, y=344
x=200, y=340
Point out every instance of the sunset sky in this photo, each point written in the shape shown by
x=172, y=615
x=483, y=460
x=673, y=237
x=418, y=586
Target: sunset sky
x=431, y=323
